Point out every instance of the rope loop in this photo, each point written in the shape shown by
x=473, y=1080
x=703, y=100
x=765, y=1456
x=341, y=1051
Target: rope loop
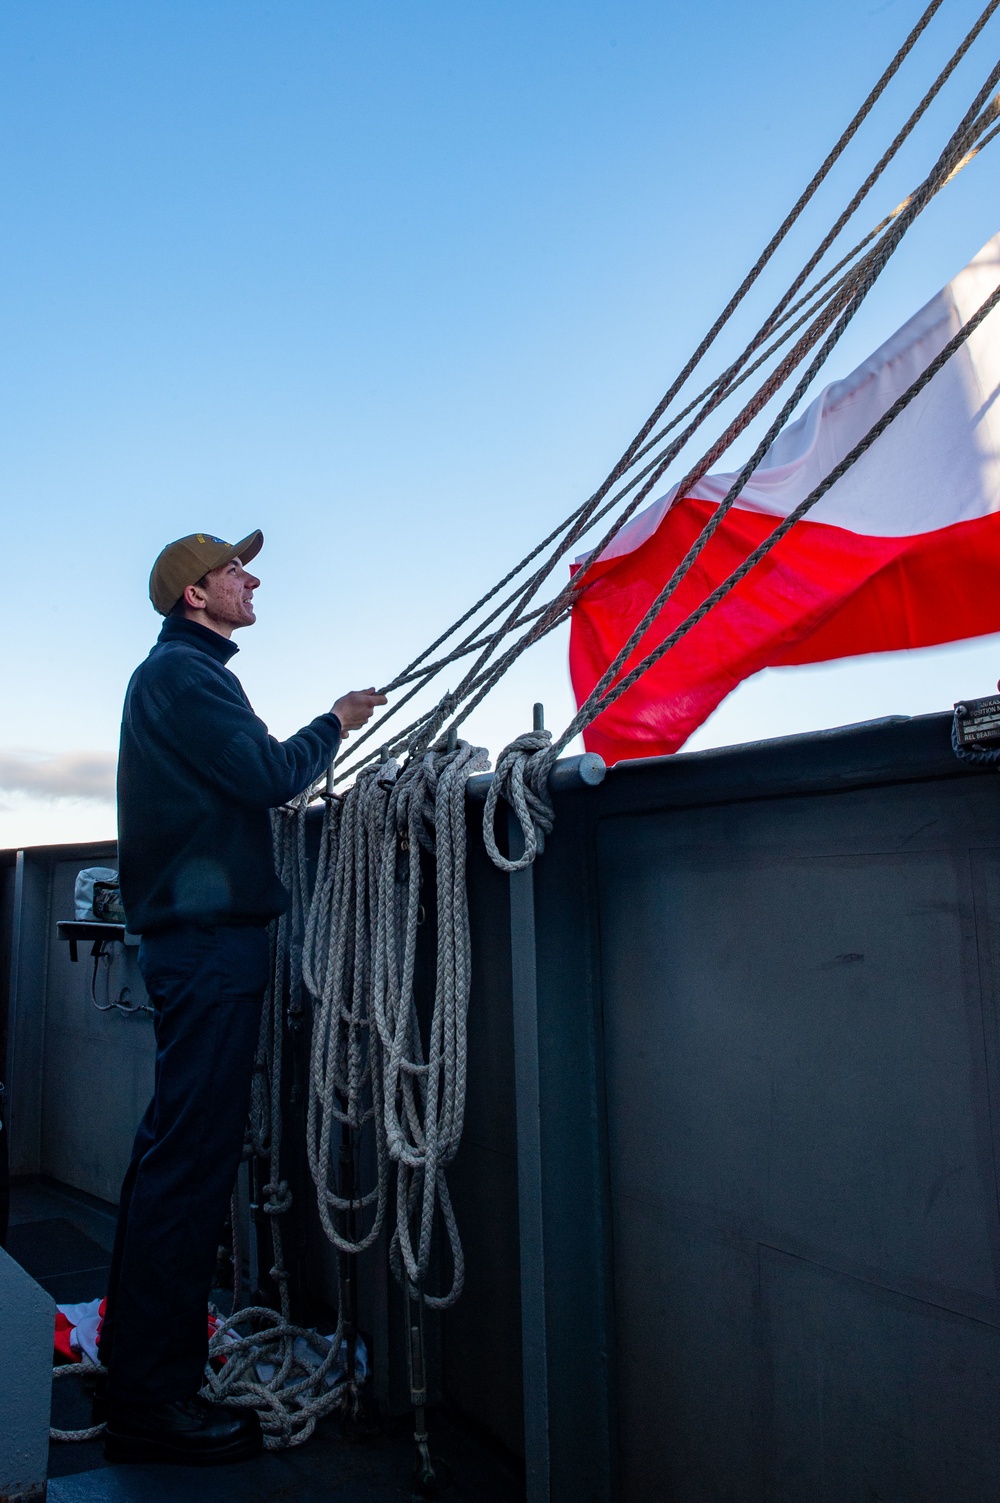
x=284, y=1371
x=85, y=1368
x=521, y=777
x=372, y=1061
x=423, y=1072
x=345, y=1083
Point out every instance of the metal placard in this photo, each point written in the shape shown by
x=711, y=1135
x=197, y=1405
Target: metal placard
x=978, y=720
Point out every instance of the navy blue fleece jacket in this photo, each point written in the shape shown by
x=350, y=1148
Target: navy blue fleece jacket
x=197, y=774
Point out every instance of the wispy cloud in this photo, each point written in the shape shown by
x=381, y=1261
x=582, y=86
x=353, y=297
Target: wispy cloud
x=73, y=774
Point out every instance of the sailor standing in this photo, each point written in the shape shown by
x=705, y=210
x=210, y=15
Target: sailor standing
x=197, y=775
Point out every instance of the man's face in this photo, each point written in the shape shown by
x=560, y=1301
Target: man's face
x=228, y=594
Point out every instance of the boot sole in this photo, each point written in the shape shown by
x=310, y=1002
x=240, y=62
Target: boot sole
x=141, y=1448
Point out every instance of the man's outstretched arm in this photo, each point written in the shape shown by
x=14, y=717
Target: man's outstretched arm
x=234, y=750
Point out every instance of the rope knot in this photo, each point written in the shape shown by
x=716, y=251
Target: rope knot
x=278, y=1198
x=521, y=777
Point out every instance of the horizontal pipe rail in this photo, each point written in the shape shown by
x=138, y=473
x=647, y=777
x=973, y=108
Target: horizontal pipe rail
x=583, y=771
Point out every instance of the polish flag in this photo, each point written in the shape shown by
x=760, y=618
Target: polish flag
x=903, y=551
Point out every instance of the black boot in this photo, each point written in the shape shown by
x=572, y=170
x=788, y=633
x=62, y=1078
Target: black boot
x=191, y=1431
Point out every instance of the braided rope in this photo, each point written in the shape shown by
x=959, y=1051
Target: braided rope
x=741, y=292
x=371, y=1060
x=516, y=769
x=785, y=526
x=479, y=682
x=424, y=1084
x=358, y=952
x=345, y=1082
x=85, y=1368
x=304, y=1385
x=299, y=1392
x=972, y=125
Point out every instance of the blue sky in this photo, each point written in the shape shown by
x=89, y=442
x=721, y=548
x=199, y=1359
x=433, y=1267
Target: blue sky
x=396, y=282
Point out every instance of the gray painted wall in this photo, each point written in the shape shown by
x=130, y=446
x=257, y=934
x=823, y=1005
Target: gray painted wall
x=769, y=1056
x=78, y=1079
x=98, y=1071
x=800, y=1030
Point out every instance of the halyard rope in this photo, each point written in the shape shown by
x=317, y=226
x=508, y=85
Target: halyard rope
x=424, y=1082
x=598, y=699
x=531, y=804
x=374, y=1057
x=815, y=495
x=751, y=277
x=480, y=679
x=976, y=121
x=368, y=944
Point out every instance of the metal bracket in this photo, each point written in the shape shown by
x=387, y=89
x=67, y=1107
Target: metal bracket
x=534, y=1350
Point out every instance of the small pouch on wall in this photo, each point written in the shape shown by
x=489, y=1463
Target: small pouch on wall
x=108, y=902
x=83, y=895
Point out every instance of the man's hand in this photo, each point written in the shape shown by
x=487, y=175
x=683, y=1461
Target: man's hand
x=355, y=709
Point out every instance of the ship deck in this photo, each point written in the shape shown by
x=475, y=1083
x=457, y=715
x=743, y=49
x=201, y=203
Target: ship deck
x=63, y=1239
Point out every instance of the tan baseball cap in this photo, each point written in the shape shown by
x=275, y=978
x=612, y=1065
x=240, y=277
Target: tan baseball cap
x=184, y=562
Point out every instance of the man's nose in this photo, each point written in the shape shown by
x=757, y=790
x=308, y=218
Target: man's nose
x=251, y=582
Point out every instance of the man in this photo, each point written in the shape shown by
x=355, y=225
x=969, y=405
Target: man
x=197, y=774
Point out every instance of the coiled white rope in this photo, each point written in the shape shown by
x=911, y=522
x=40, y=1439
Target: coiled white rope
x=302, y=1384
x=371, y=1060
x=424, y=1086
x=85, y=1368
x=345, y=1080
x=521, y=778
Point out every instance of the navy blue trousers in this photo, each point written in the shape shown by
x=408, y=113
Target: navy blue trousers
x=207, y=986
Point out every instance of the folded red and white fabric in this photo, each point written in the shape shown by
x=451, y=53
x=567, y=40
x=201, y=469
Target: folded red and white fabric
x=78, y=1329
x=903, y=551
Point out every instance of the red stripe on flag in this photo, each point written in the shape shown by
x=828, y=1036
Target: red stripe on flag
x=822, y=593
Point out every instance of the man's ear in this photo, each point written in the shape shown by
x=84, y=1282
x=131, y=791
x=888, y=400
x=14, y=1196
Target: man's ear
x=194, y=597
